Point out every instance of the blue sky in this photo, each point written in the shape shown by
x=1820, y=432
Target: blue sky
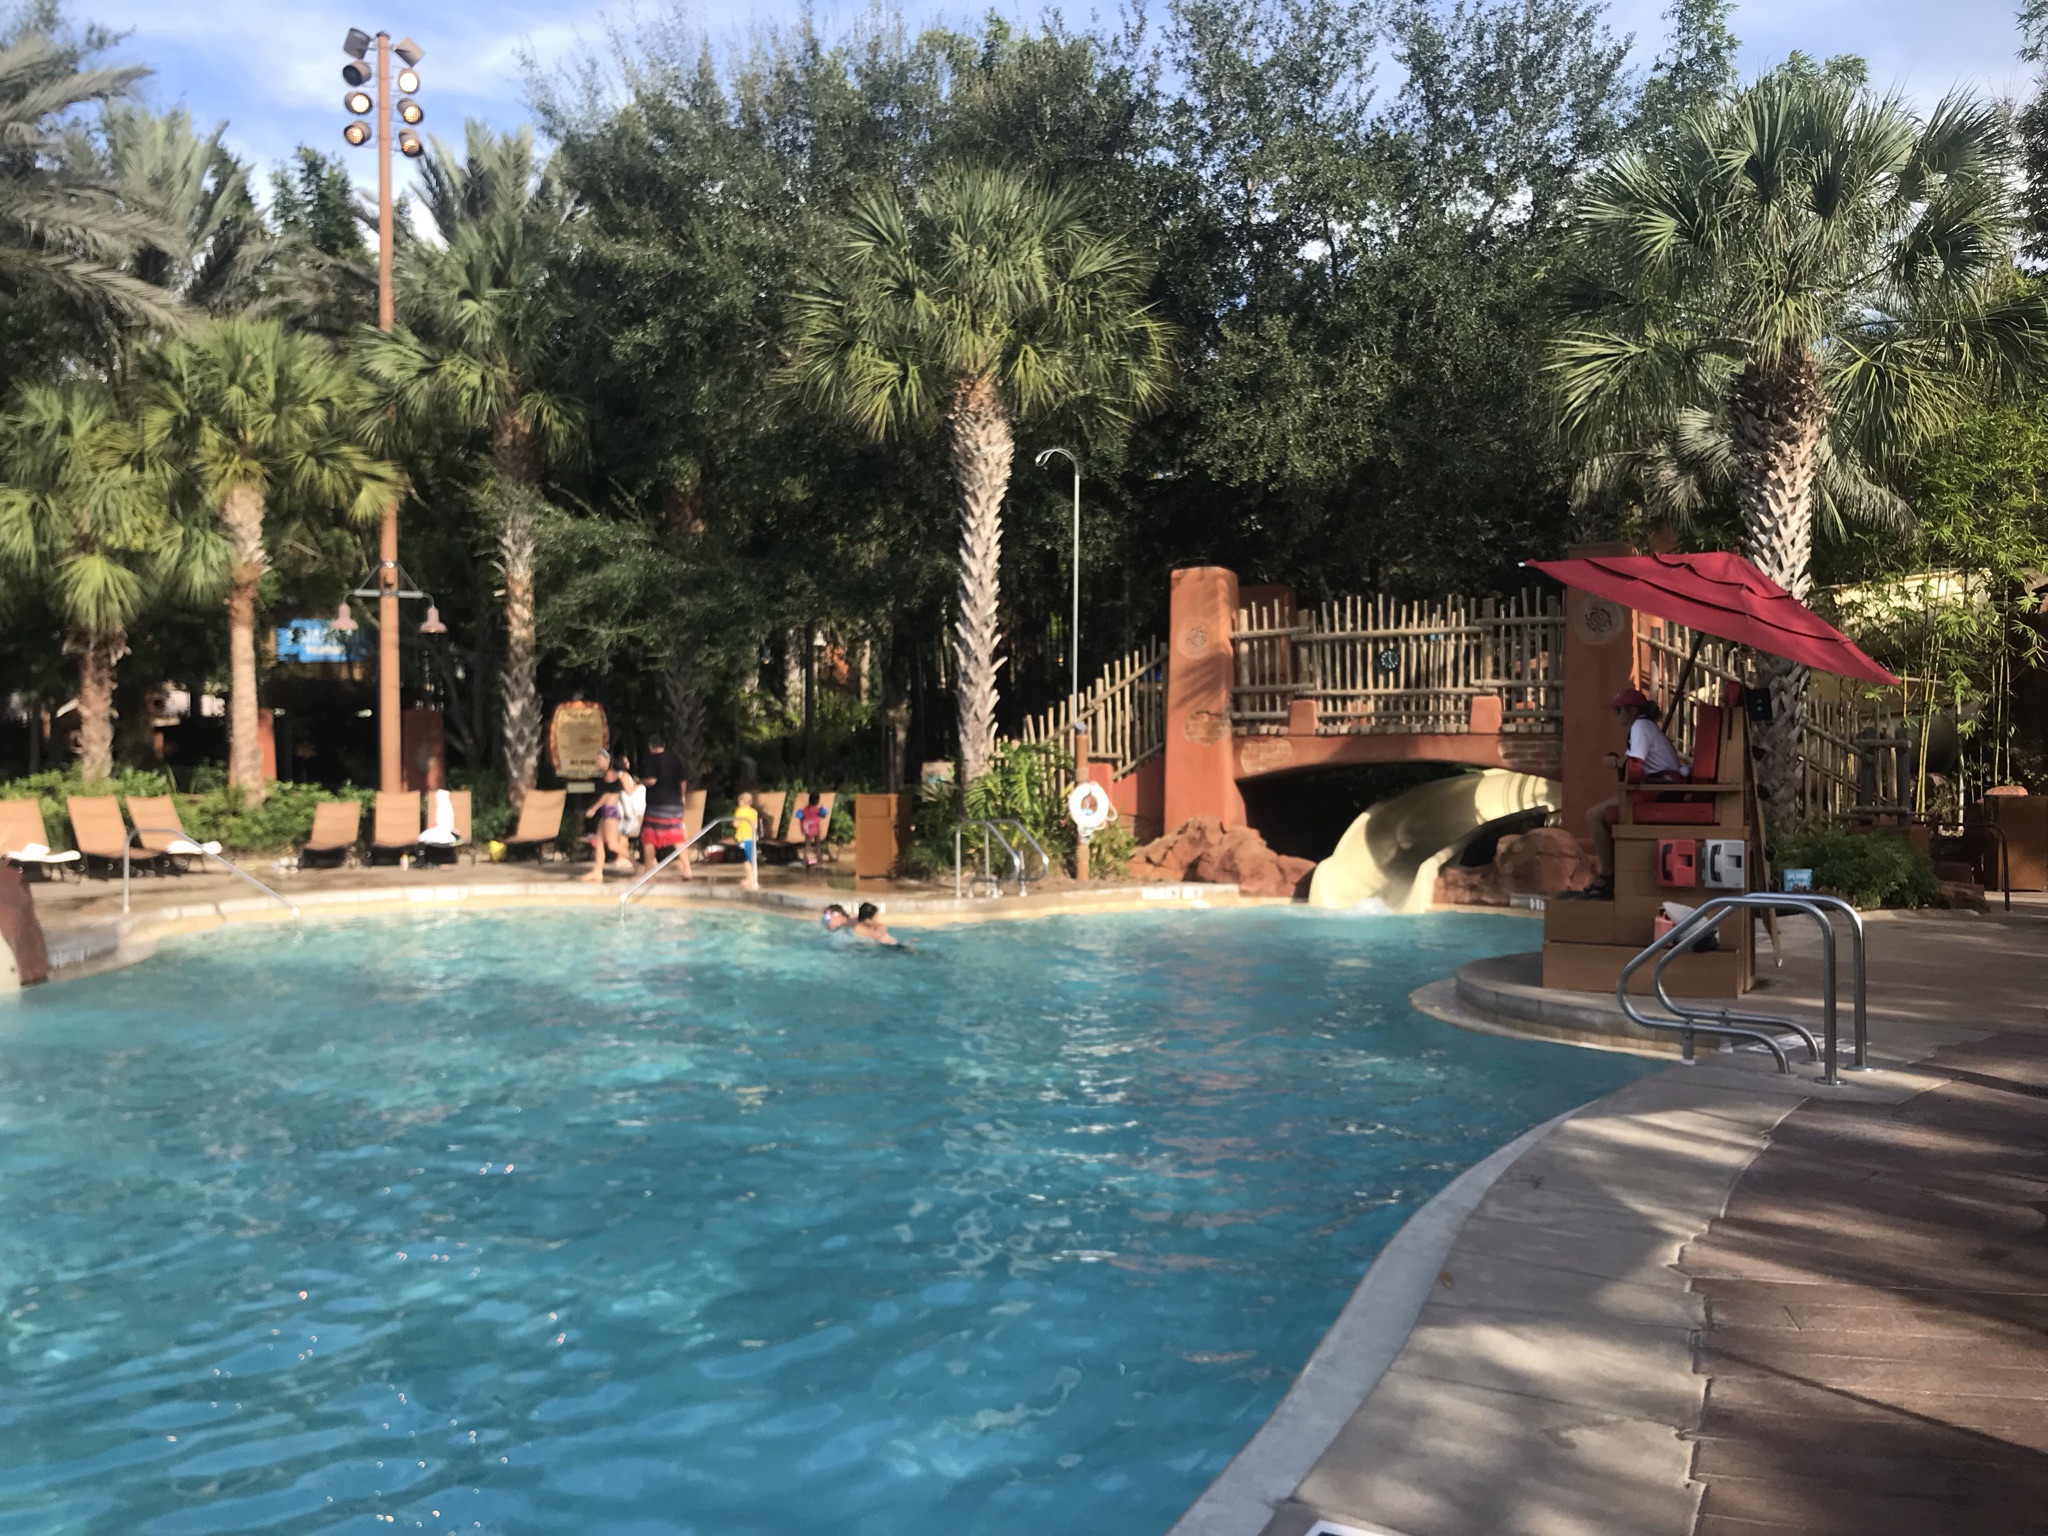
x=273, y=70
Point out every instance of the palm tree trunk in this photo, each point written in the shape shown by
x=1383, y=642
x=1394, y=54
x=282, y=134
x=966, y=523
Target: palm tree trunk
x=982, y=446
x=241, y=515
x=97, y=651
x=1779, y=414
x=517, y=684
x=683, y=700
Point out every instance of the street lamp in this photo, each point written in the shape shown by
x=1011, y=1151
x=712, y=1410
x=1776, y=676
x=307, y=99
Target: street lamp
x=1074, y=638
x=365, y=127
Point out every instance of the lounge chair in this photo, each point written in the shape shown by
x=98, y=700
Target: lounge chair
x=337, y=824
x=24, y=839
x=447, y=835
x=158, y=829
x=396, y=828
x=693, y=813
x=100, y=834
x=540, y=824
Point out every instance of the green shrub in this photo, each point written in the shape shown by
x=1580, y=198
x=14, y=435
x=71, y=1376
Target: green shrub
x=1869, y=869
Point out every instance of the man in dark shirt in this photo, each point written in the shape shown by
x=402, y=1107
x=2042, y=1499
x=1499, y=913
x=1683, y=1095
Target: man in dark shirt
x=662, y=827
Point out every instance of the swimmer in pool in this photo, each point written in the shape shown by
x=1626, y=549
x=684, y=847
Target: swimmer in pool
x=869, y=925
x=835, y=917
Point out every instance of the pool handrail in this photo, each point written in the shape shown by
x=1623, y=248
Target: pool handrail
x=203, y=852
x=990, y=827
x=1024, y=832
x=1737, y=1024
x=634, y=889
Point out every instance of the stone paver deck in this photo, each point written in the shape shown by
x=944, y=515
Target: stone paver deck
x=1876, y=1337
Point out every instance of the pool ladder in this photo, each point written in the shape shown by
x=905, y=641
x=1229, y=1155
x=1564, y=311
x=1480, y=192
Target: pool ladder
x=702, y=832
x=1760, y=1028
x=992, y=833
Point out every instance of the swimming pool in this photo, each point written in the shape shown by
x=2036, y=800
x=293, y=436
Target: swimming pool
x=538, y=1223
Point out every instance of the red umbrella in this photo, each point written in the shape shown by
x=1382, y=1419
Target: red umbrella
x=1722, y=595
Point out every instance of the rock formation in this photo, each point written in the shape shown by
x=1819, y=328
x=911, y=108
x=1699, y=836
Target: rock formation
x=1203, y=850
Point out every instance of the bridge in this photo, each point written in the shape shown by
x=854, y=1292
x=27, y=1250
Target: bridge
x=1255, y=686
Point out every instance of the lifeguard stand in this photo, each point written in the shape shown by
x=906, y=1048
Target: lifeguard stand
x=1684, y=842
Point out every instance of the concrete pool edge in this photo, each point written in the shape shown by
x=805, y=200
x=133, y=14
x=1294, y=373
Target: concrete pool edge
x=89, y=948
x=1359, y=1348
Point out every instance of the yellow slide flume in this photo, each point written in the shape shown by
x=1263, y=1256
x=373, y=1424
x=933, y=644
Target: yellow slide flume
x=1391, y=853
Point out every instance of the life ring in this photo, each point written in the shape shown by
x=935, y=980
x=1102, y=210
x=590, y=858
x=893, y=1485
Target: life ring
x=1088, y=803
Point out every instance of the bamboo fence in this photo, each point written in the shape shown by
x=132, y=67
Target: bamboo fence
x=1124, y=710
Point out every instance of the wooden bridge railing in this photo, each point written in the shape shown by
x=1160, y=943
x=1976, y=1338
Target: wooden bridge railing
x=1124, y=709
x=1373, y=665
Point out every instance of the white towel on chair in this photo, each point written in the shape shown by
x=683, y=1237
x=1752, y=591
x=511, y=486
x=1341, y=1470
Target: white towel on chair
x=184, y=845
x=442, y=833
x=36, y=853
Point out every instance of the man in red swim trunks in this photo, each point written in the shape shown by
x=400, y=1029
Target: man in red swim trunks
x=662, y=828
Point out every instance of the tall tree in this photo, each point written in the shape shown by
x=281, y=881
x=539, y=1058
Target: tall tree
x=82, y=519
x=66, y=236
x=253, y=418
x=994, y=301
x=212, y=244
x=482, y=314
x=1822, y=269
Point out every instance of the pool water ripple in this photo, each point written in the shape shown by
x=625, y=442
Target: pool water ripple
x=535, y=1223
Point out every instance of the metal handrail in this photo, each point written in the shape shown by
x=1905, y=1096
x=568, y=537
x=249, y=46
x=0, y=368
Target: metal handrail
x=989, y=828
x=1044, y=861
x=128, y=848
x=1737, y=1024
x=634, y=889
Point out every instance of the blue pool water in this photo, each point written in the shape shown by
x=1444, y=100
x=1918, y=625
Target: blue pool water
x=538, y=1224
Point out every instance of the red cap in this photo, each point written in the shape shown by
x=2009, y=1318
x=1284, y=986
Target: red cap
x=1629, y=698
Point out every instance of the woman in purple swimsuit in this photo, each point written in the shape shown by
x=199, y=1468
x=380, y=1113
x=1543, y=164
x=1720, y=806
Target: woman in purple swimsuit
x=607, y=835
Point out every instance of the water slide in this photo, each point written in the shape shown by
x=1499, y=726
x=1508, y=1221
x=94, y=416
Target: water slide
x=1390, y=855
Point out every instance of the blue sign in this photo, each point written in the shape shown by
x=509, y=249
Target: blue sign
x=318, y=640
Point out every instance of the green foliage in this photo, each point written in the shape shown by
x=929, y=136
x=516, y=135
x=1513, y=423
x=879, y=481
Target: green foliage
x=217, y=813
x=313, y=200
x=1872, y=869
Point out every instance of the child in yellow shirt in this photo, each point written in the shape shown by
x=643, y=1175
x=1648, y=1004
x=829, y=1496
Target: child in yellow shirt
x=746, y=822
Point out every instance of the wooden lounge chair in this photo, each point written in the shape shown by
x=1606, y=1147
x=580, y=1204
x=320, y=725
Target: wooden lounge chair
x=769, y=804
x=158, y=829
x=25, y=841
x=540, y=824
x=337, y=824
x=431, y=847
x=396, y=828
x=100, y=834
x=693, y=813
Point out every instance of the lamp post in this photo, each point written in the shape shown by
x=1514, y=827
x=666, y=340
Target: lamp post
x=1074, y=656
x=359, y=72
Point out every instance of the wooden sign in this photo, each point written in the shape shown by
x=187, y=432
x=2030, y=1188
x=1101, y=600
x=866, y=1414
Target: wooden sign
x=577, y=735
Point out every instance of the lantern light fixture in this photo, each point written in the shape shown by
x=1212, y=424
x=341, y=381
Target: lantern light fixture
x=431, y=624
x=344, y=622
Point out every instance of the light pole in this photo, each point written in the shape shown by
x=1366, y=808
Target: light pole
x=358, y=72
x=1074, y=657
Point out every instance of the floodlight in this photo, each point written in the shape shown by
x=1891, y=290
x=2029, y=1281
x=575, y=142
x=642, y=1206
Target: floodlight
x=408, y=81
x=409, y=51
x=358, y=102
x=409, y=110
x=356, y=74
x=357, y=43
x=409, y=144
x=357, y=133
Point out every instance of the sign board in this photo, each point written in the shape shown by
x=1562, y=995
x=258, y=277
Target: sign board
x=319, y=640
x=577, y=735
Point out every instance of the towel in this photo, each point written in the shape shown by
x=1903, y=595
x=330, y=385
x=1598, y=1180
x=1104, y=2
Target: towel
x=442, y=833
x=37, y=853
x=184, y=845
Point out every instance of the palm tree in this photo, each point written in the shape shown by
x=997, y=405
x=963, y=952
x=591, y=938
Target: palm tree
x=65, y=233
x=1796, y=288
x=80, y=515
x=481, y=315
x=249, y=415
x=212, y=244
x=994, y=303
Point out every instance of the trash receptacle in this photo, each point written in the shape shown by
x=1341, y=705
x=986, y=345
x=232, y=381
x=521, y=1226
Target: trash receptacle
x=881, y=826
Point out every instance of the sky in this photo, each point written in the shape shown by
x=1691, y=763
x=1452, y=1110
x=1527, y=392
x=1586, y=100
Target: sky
x=274, y=70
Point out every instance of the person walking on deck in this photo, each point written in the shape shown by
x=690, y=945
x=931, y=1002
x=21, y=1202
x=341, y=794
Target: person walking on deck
x=661, y=825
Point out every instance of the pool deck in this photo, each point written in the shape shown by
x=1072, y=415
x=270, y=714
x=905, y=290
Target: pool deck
x=1719, y=1302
